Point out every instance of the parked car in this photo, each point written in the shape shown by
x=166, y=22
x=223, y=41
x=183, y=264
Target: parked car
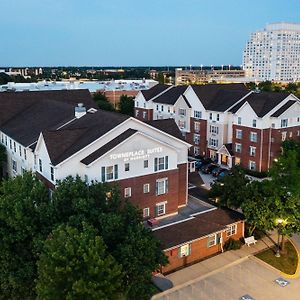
x=216, y=172
x=207, y=169
x=202, y=162
x=223, y=174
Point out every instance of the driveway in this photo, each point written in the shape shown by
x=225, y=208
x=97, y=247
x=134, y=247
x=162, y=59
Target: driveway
x=249, y=277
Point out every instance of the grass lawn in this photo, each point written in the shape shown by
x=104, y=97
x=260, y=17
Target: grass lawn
x=287, y=263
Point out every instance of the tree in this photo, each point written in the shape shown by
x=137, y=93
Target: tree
x=74, y=264
x=126, y=105
x=3, y=159
x=4, y=78
x=103, y=102
x=25, y=221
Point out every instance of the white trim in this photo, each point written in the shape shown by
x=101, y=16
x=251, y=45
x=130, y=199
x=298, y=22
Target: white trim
x=233, y=105
x=177, y=222
x=203, y=212
x=66, y=124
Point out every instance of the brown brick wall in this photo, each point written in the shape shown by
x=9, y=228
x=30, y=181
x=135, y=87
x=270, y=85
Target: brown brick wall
x=199, y=251
x=203, y=138
x=177, y=190
x=149, y=115
x=114, y=96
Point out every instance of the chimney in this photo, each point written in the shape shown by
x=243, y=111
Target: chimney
x=80, y=110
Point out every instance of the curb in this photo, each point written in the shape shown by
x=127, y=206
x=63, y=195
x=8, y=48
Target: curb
x=297, y=274
x=177, y=287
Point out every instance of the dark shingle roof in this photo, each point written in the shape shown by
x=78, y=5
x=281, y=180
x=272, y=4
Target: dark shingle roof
x=155, y=90
x=220, y=97
x=229, y=148
x=65, y=142
x=23, y=115
x=171, y=95
x=167, y=125
x=200, y=226
x=110, y=145
x=262, y=102
x=283, y=108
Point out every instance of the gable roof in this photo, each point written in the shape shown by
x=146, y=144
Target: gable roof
x=220, y=97
x=79, y=133
x=262, y=103
x=23, y=115
x=154, y=91
x=200, y=226
x=171, y=95
x=108, y=146
x=283, y=108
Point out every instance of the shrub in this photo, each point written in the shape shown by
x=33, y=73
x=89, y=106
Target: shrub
x=232, y=244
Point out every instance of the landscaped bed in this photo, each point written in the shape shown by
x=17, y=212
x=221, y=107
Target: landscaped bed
x=286, y=263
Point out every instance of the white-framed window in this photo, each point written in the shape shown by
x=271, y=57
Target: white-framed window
x=146, y=163
x=160, y=209
x=238, y=148
x=231, y=230
x=52, y=175
x=239, y=120
x=40, y=165
x=162, y=108
x=169, y=109
x=127, y=167
x=284, y=123
x=196, y=151
x=161, y=163
x=146, y=212
x=252, y=151
x=25, y=154
x=197, y=126
x=290, y=134
x=10, y=144
x=283, y=136
x=252, y=165
x=137, y=103
x=14, y=165
x=185, y=250
x=211, y=240
x=144, y=114
x=213, y=142
x=210, y=116
x=109, y=173
x=182, y=111
x=5, y=140
x=196, y=139
x=197, y=114
x=136, y=112
x=237, y=161
x=161, y=186
x=15, y=147
x=181, y=124
x=20, y=150
x=253, y=123
x=239, y=134
x=253, y=137
x=127, y=192
x=218, y=117
x=157, y=108
x=146, y=188
x=214, y=129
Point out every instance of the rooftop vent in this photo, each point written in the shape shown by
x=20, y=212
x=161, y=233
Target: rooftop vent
x=80, y=110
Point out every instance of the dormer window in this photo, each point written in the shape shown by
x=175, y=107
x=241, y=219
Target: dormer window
x=253, y=123
x=239, y=121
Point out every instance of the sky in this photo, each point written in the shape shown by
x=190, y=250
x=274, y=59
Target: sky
x=133, y=32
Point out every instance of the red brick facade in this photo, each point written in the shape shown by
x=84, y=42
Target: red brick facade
x=143, y=114
x=268, y=145
x=175, y=197
x=199, y=250
x=202, y=132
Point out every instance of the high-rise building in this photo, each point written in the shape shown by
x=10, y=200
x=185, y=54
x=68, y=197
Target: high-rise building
x=274, y=53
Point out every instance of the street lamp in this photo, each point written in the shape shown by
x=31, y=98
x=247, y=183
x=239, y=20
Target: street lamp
x=278, y=222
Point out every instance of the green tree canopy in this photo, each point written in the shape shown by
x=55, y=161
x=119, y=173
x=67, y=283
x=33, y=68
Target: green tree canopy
x=74, y=264
x=103, y=102
x=126, y=105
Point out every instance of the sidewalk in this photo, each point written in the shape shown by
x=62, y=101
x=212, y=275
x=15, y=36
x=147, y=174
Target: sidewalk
x=221, y=261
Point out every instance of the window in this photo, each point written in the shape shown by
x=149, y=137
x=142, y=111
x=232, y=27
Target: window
x=273, y=125
x=253, y=137
x=157, y=107
x=136, y=113
x=169, y=109
x=161, y=163
x=146, y=163
x=185, y=250
x=23, y=171
x=127, y=192
x=252, y=151
x=109, y=173
x=212, y=240
x=252, y=165
x=14, y=165
x=126, y=167
x=218, y=117
x=160, y=209
x=290, y=134
x=213, y=129
x=239, y=120
x=231, y=230
x=162, y=108
x=15, y=147
x=197, y=126
x=146, y=188
x=137, y=104
x=197, y=114
x=20, y=151
x=10, y=144
x=284, y=123
x=213, y=142
x=237, y=161
x=283, y=136
x=5, y=140
x=239, y=134
x=86, y=178
x=253, y=123
x=182, y=112
x=40, y=165
x=161, y=186
x=181, y=124
x=144, y=115
x=146, y=212
x=2, y=138
x=210, y=116
x=25, y=154
x=52, y=175
x=196, y=139
x=196, y=151
x=238, y=148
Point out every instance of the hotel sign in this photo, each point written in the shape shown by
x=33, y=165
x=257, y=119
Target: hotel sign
x=136, y=155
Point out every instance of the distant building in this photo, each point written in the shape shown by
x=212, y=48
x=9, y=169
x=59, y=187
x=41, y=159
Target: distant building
x=273, y=53
x=192, y=76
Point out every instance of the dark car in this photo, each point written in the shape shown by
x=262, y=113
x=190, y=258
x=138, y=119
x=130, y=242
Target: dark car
x=217, y=171
x=202, y=162
x=224, y=173
x=207, y=169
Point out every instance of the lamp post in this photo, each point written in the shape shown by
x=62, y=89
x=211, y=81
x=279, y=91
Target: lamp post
x=278, y=223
